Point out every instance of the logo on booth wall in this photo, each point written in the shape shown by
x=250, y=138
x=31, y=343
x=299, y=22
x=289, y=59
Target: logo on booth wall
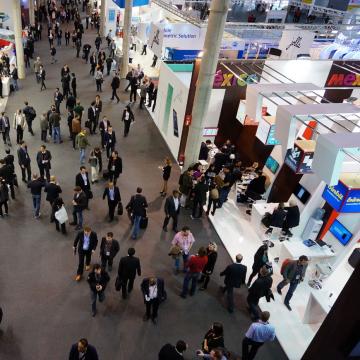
x=343, y=80
x=222, y=80
x=295, y=43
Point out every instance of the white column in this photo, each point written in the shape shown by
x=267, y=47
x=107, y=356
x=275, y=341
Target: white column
x=18, y=39
x=31, y=12
x=214, y=35
x=126, y=38
x=103, y=17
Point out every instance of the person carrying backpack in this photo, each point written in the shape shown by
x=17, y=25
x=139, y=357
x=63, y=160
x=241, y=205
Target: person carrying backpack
x=30, y=115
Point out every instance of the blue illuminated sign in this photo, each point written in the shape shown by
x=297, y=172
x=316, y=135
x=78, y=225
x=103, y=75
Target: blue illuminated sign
x=335, y=195
x=111, y=16
x=271, y=137
x=121, y=3
x=352, y=202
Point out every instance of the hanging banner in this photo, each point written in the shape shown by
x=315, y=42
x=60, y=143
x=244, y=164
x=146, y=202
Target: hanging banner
x=121, y=3
x=295, y=42
x=156, y=39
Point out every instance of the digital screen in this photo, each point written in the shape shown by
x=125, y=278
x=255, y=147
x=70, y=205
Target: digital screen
x=340, y=232
x=301, y=193
x=175, y=121
x=272, y=164
x=210, y=131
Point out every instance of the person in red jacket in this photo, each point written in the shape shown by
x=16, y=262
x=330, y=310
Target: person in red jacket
x=194, y=268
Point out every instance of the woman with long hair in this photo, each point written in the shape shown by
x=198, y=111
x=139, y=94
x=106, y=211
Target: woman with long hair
x=166, y=170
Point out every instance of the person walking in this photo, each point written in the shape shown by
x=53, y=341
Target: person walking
x=83, y=350
x=260, y=259
x=24, y=162
x=112, y=193
x=95, y=161
x=5, y=128
x=43, y=159
x=75, y=129
x=293, y=273
x=79, y=203
x=171, y=352
x=4, y=198
x=44, y=126
x=109, y=61
x=110, y=141
x=115, y=84
x=36, y=66
x=235, y=275
x=30, y=115
x=213, y=198
x=166, y=171
x=127, y=118
x=35, y=187
x=133, y=88
x=57, y=205
x=194, y=267
x=67, y=37
x=129, y=266
x=53, y=190
x=137, y=208
x=73, y=85
x=53, y=55
x=184, y=240
x=200, y=193
x=109, y=247
x=172, y=210
x=259, y=332
x=54, y=122
x=114, y=166
x=143, y=93
x=85, y=244
x=91, y=123
x=98, y=278
x=82, y=180
x=58, y=98
x=103, y=127
x=260, y=288
x=98, y=78
x=185, y=186
x=211, y=252
x=153, y=290
x=81, y=143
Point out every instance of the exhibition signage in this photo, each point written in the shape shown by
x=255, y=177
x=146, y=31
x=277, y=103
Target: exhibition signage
x=111, y=16
x=121, y=3
x=300, y=157
x=339, y=76
x=295, y=42
x=342, y=199
x=228, y=79
x=155, y=41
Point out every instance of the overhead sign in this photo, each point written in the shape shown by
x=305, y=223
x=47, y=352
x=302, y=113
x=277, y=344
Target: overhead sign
x=340, y=76
x=299, y=160
x=111, y=16
x=155, y=41
x=295, y=42
x=223, y=80
x=121, y=3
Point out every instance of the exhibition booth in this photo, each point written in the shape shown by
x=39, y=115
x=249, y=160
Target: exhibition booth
x=275, y=113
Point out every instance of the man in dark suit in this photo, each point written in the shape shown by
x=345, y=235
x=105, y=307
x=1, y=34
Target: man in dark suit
x=52, y=190
x=97, y=279
x=109, y=247
x=171, y=352
x=82, y=180
x=235, y=275
x=92, y=117
x=79, y=204
x=153, y=292
x=137, y=210
x=103, y=126
x=114, y=166
x=172, y=209
x=109, y=141
x=43, y=159
x=83, y=350
x=85, y=243
x=113, y=197
x=24, y=161
x=128, y=267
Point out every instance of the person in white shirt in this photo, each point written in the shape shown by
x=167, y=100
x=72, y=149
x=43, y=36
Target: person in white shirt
x=133, y=43
x=19, y=124
x=153, y=292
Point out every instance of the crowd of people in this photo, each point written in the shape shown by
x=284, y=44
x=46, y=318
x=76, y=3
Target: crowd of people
x=196, y=186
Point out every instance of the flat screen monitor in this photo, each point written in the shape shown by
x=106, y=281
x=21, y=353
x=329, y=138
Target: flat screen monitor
x=340, y=232
x=301, y=193
x=272, y=164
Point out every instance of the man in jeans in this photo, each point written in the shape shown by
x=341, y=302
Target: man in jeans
x=195, y=266
x=97, y=279
x=137, y=208
x=184, y=239
x=36, y=186
x=54, y=120
x=82, y=142
x=293, y=273
x=85, y=243
x=258, y=333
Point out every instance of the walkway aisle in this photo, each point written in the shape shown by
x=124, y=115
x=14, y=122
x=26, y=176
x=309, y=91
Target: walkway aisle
x=45, y=310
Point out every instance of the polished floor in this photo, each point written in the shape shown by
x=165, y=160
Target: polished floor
x=45, y=310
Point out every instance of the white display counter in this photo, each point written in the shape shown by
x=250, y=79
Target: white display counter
x=5, y=86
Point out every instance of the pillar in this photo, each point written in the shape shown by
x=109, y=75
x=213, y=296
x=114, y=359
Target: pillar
x=31, y=12
x=213, y=38
x=18, y=39
x=103, y=17
x=126, y=38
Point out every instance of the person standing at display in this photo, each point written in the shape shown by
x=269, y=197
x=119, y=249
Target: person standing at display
x=153, y=290
x=292, y=218
x=211, y=252
x=194, y=267
x=97, y=279
x=166, y=171
x=185, y=185
x=200, y=192
x=83, y=350
x=260, y=259
x=258, y=333
x=109, y=247
x=113, y=196
x=172, y=210
x=235, y=275
x=184, y=240
x=85, y=244
x=129, y=266
x=293, y=273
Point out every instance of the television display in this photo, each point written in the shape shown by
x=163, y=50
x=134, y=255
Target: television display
x=301, y=193
x=272, y=164
x=341, y=232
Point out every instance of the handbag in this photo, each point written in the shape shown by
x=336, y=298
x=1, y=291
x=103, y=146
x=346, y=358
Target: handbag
x=120, y=209
x=175, y=250
x=61, y=215
x=118, y=283
x=90, y=195
x=144, y=222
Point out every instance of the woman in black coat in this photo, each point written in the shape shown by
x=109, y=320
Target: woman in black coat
x=166, y=169
x=211, y=253
x=260, y=259
x=214, y=338
x=127, y=118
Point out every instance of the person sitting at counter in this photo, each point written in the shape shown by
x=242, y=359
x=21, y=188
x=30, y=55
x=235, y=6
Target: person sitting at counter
x=277, y=218
x=292, y=218
x=256, y=187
